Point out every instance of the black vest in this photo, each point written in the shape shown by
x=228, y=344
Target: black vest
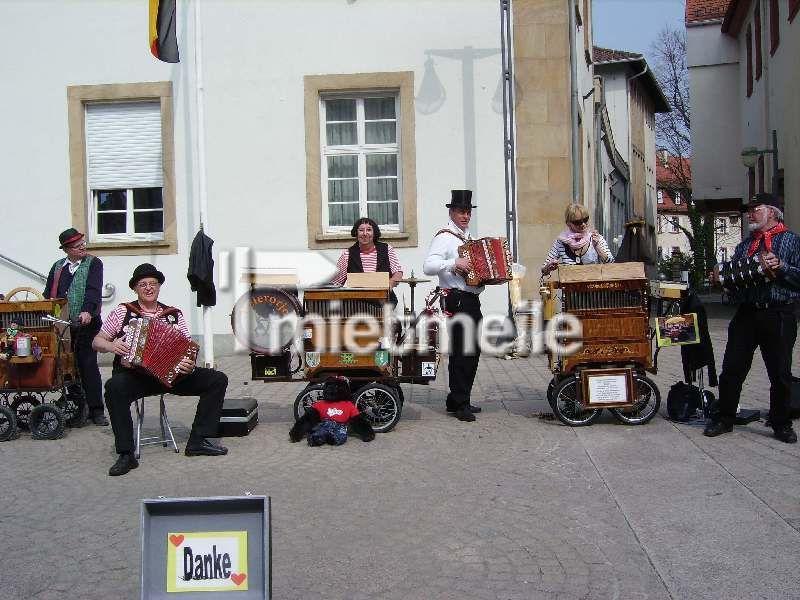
x=354, y=259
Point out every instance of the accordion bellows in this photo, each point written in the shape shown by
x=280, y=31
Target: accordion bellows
x=489, y=259
x=746, y=272
x=158, y=348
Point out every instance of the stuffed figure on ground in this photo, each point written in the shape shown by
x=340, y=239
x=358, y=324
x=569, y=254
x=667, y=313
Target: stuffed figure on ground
x=327, y=421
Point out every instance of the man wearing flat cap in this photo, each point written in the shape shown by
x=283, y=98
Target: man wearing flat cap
x=79, y=279
x=765, y=319
x=127, y=384
x=461, y=299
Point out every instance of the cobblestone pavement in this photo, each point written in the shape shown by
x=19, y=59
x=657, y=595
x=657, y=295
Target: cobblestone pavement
x=510, y=507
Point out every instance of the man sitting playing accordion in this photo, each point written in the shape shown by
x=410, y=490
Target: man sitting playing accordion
x=128, y=383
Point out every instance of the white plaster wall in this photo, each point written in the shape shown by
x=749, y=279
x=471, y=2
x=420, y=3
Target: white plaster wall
x=255, y=56
x=616, y=91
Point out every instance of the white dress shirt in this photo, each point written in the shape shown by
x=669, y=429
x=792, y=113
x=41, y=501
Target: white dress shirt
x=72, y=266
x=442, y=256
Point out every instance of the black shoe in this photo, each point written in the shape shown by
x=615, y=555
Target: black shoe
x=472, y=408
x=124, y=463
x=99, y=419
x=465, y=414
x=786, y=435
x=715, y=428
x=204, y=447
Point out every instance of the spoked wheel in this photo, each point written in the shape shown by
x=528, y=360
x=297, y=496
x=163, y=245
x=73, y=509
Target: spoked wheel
x=73, y=405
x=47, y=422
x=8, y=424
x=647, y=399
x=567, y=405
x=22, y=406
x=380, y=405
x=551, y=388
x=310, y=394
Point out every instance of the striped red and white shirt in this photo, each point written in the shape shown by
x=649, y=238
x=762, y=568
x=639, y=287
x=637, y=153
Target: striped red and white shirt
x=112, y=324
x=369, y=261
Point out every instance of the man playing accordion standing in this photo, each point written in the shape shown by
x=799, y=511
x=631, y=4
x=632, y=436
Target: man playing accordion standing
x=765, y=319
x=461, y=299
x=127, y=384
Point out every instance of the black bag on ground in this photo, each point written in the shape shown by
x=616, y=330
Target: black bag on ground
x=683, y=400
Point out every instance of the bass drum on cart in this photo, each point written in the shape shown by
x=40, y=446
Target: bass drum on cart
x=265, y=319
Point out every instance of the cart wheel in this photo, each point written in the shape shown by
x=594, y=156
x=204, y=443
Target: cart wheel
x=23, y=406
x=399, y=391
x=648, y=399
x=73, y=405
x=380, y=405
x=551, y=387
x=310, y=394
x=47, y=422
x=8, y=424
x=568, y=408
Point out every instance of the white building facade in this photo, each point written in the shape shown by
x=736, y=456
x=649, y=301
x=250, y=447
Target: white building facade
x=313, y=113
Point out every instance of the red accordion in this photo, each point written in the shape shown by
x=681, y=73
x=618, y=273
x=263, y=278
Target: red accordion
x=158, y=348
x=489, y=259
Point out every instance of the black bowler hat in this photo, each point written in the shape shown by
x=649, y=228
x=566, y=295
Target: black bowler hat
x=145, y=270
x=766, y=200
x=461, y=199
x=70, y=236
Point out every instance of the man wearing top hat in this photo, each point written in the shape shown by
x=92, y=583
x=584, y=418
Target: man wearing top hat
x=461, y=299
x=765, y=319
x=127, y=384
x=79, y=279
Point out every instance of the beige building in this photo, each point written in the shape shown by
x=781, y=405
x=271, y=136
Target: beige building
x=742, y=57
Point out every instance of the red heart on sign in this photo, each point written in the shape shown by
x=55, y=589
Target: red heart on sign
x=176, y=540
x=238, y=578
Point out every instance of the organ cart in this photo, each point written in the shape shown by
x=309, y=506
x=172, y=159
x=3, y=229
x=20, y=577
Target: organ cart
x=611, y=302
x=266, y=320
x=39, y=388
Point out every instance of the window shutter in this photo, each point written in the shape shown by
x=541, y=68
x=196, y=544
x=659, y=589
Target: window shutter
x=123, y=145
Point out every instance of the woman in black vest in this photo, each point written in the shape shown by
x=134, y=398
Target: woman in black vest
x=368, y=255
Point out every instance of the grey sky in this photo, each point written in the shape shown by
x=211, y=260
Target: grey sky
x=633, y=24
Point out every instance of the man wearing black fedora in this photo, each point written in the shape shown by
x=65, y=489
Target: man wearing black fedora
x=765, y=319
x=461, y=302
x=127, y=384
x=79, y=279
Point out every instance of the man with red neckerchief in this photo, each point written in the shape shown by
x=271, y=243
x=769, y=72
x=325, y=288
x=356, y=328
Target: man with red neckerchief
x=765, y=319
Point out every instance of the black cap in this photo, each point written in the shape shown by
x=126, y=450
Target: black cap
x=69, y=236
x=145, y=270
x=766, y=200
x=461, y=199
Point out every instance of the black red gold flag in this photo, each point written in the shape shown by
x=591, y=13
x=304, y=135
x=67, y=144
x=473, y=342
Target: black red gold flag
x=163, y=40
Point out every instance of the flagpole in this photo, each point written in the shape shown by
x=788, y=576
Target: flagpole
x=208, y=327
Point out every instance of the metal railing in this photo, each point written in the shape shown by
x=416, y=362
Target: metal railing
x=108, y=289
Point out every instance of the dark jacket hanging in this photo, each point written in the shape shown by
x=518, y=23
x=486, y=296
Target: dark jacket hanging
x=697, y=356
x=201, y=270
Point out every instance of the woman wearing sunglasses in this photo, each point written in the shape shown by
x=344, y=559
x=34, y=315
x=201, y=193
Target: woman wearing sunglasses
x=578, y=244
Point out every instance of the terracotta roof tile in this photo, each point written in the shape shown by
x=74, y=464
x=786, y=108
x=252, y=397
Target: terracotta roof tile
x=705, y=10
x=601, y=55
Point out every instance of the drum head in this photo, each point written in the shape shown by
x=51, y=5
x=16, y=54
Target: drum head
x=265, y=319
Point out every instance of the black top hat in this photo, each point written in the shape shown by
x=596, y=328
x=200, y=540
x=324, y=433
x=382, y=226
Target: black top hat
x=145, y=270
x=461, y=199
x=69, y=236
x=766, y=200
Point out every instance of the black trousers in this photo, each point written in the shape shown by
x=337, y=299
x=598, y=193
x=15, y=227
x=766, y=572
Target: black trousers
x=774, y=331
x=462, y=364
x=86, y=360
x=126, y=385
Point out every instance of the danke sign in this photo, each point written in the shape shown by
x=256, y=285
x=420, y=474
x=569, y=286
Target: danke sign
x=206, y=548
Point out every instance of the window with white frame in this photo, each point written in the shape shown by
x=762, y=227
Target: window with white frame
x=674, y=222
x=722, y=226
x=677, y=197
x=360, y=160
x=660, y=196
x=722, y=254
x=124, y=171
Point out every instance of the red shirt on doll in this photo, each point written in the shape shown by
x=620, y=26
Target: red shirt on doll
x=340, y=411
